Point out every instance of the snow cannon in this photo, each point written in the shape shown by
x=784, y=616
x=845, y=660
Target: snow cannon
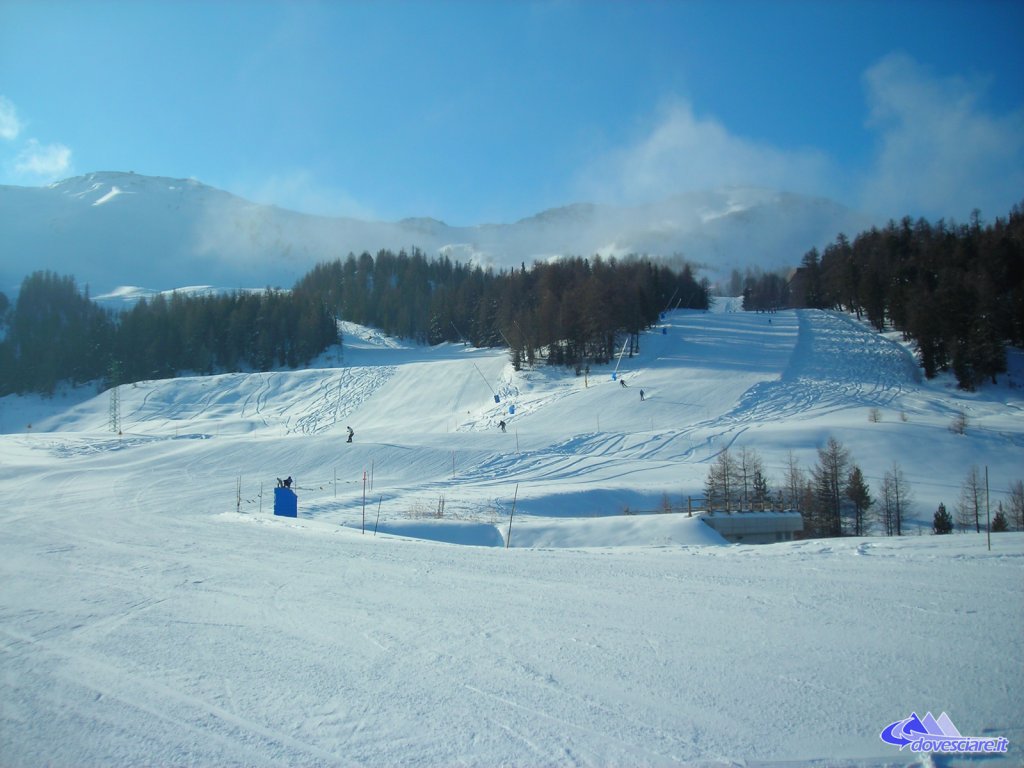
x=497, y=399
x=286, y=503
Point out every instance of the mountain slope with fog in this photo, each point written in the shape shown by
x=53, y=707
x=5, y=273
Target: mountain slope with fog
x=111, y=230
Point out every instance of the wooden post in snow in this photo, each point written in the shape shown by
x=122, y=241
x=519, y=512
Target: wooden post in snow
x=988, y=513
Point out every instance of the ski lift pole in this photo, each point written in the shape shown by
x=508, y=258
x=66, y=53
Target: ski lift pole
x=619, y=361
x=668, y=306
x=462, y=337
x=496, y=398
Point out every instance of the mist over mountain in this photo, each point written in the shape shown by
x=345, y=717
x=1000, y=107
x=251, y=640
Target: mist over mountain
x=118, y=233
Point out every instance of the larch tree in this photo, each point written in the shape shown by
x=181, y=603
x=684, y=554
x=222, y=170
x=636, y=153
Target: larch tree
x=829, y=481
x=859, y=494
x=896, y=500
x=971, y=501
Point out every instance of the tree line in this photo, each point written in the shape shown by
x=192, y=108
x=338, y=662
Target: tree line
x=835, y=499
x=957, y=291
x=55, y=333
x=566, y=312
x=569, y=312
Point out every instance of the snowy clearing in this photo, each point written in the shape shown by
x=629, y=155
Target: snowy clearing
x=155, y=612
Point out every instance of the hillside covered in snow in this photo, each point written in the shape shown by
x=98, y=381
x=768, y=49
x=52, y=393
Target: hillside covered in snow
x=123, y=234
x=452, y=593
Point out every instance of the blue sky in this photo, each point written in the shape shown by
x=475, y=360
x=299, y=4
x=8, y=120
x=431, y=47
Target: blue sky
x=475, y=112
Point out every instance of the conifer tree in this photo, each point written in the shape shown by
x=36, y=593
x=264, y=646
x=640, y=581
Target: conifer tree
x=720, y=484
x=999, y=523
x=1016, y=503
x=794, y=484
x=830, y=476
x=943, y=521
x=896, y=500
x=860, y=496
x=971, y=501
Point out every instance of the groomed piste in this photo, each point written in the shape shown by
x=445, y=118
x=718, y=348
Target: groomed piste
x=451, y=593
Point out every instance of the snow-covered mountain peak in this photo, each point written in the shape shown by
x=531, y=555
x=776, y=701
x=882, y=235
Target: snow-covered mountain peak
x=103, y=181
x=572, y=213
x=110, y=228
x=424, y=224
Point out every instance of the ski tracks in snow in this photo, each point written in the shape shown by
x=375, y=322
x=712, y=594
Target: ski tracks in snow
x=836, y=364
x=338, y=395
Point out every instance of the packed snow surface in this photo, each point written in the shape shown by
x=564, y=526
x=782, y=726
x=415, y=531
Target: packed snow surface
x=452, y=594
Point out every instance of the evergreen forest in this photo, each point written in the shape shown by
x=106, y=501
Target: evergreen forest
x=572, y=311
x=956, y=291
x=569, y=312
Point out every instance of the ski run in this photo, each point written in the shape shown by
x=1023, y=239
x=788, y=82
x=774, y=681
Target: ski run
x=455, y=594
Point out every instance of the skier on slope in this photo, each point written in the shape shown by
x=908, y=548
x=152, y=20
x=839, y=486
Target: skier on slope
x=351, y=434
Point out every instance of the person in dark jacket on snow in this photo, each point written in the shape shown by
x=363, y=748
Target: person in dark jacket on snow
x=351, y=434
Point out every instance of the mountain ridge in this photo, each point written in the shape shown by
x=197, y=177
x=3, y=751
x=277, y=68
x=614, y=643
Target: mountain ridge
x=112, y=228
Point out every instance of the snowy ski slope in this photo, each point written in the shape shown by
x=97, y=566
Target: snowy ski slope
x=155, y=612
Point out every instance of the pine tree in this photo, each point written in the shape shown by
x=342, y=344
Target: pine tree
x=999, y=524
x=720, y=484
x=749, y=468
x=858, y=493
x=762, y=494
x=829, y=478
x=943, y=521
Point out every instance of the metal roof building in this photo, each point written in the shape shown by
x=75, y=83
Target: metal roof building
x=756, y=527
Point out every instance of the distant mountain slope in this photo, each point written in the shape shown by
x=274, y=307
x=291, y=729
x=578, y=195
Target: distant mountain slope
x=117, y=229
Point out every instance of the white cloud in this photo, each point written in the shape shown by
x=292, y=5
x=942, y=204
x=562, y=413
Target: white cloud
x=940, y=153
x=10, y=126
x=684, y=152
x=298, y=190
x=47, y=162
